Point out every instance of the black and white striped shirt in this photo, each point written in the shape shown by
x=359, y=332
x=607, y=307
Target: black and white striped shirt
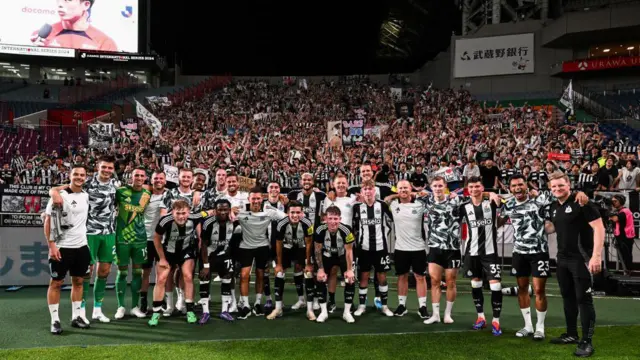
x=217, y=236
x=372, y=225
x=28, y=176
x=176, y=238
x=17, y=163
x=333, y=244
x=582, y=181
x=293, y=235
x=403, y=176
x=48, y=176
x=481, y=220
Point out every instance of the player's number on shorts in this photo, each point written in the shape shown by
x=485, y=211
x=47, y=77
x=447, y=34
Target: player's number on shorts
x=144, y=252
x=385, y=260
x=543, y=265
x=455, y=263
x=495, y=269
x=229, y=264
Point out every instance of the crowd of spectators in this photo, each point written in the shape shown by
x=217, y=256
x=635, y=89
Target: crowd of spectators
x=277, y=133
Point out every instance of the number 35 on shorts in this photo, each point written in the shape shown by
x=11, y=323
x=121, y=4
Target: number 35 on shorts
x=495, y=270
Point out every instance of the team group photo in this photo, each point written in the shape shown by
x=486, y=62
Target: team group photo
x=400, y=179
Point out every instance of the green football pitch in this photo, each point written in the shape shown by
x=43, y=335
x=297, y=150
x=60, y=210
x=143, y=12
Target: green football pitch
x=24, y=333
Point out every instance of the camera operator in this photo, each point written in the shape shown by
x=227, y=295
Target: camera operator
x=624, y=231
x=580, y=234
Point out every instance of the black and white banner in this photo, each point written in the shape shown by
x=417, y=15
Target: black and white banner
x=21, y=205
x=100, y=136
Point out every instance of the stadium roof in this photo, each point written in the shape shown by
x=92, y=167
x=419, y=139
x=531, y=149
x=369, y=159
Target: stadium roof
x=304, y=38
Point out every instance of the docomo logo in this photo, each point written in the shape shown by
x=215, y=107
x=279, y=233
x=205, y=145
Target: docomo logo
x=582, y=65
x=38, y=11
x=636, y=215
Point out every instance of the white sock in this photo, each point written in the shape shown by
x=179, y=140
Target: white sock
x=205, y=305
x=540, y=316
x=422, y=301
x=76, y=306
x=448, y=308
x=55, y=314
x=244, y=300
x=496, y=320
x=180, y=296
x=226, y=302
x=301, y=298
x=278, y=305
x=436, y=309
x=481, y=315
x=402, y=300
x=267, y=297
x=309, y=305
x=323, y=307
x=526, y=314
x=347, y=308
x=258, y=299
x=233, y=296
x=169, y=295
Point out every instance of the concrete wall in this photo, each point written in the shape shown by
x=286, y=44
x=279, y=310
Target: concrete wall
x=437, y=71
x=538, y=82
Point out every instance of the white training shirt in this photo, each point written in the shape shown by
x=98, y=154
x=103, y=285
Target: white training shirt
x=345, y=204
x=152, y=214
x=240, y=199
x=408, y=226
x=75, y=210
x=255, y=225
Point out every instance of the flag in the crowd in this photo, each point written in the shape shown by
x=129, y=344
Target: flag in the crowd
x=149, y=119
x=567, y=97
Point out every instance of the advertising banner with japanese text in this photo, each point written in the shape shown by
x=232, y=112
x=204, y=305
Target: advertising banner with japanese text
x=496, y=55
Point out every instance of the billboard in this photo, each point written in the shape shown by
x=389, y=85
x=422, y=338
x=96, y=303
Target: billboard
x=93, y=25
x=496, y=55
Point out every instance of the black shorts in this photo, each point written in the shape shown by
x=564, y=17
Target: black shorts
x=221, y=264
x=329, y=262
x=294, y=255
x=76, y=261
x=416, y=260
x=475, y=265
x=379, y=260
x=260, y=255
x=152, y=255
x=180, y=257
x=447, y=259
x=526, y=265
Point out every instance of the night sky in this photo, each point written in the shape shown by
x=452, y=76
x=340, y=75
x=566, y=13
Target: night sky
x=291, y=38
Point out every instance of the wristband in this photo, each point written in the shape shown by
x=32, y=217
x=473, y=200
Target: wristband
x=204, y=213
x=206, y=266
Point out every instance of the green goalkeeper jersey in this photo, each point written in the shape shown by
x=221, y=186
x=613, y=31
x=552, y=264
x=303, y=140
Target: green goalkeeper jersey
x=130, y=226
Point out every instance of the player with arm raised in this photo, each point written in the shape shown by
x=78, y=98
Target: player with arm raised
x=131, y=240
x=410, y=250
x=68, y=250
x=255, y=218
x=443, y=223
x=333, y=248
x=293, y=245
x=176, y=242
x=217, y=241
x=481, y=253
x=101, y=230
x=530, y=250
x=372, y=221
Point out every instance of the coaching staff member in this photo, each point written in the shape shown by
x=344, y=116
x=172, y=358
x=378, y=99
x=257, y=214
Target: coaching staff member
x=68, y=250
x=580, y=237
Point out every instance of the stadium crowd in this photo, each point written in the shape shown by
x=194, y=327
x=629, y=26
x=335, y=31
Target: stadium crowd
x=277, y=133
